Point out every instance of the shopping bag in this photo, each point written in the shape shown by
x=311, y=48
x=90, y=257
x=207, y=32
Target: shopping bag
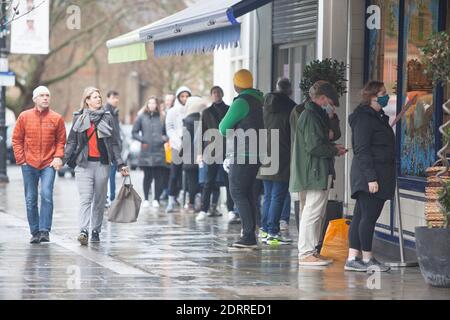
x=125, y=208
x=168, y=152
x=335, y=243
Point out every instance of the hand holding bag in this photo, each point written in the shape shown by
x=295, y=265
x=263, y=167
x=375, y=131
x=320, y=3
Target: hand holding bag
x=125, y=209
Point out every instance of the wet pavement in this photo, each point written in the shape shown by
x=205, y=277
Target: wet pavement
x=168, y=256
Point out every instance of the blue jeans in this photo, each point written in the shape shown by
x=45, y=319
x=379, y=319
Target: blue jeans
x=274, y=199
x=43, y=221
x=286, y=213
x=112, y=181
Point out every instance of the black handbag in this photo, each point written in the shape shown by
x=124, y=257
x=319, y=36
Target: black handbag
x=72, y=160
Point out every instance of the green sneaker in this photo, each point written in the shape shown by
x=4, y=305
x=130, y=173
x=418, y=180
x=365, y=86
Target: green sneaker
x=277, y=240
x=262, y=234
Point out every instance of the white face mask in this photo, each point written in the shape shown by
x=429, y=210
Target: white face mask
x=328, y=108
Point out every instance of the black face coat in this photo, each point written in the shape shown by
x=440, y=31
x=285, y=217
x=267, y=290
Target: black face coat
x=373, y=143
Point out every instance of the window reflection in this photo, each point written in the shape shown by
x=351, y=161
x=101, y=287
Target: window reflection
x=383, y=52
x=418, y=126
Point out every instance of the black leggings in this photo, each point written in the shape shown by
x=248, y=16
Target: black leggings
x=176, y=173
x=193, y=187
x=150, y=174
x=367, y=211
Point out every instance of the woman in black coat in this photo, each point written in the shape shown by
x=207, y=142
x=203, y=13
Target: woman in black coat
x=372, y=173
x=149, y=130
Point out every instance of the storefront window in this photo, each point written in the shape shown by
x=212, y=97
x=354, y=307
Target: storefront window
x=290, y=62
x=418, y=150
x=418, y=126
x=383, y=51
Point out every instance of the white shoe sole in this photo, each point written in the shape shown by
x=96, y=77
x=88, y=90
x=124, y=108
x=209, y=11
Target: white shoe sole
x=354, y=269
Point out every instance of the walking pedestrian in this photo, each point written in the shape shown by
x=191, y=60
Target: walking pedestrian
x=211, y=119
x=246, y=114
x=169, y=100
x=93, y=136
x=194, y=109
x=312, y=170
x=149, y=130
x=174, y=129
x=38, y=142
x=372, y=174
x=277, y=110
x=112, y=105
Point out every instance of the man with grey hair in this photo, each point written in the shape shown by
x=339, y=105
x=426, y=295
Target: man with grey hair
x=334, y=134
x=38, y=142
x=276, y=112
x=312, y=169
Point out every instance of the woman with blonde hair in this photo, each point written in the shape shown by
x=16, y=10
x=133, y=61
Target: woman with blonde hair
x=149, y=130
x=93, y=144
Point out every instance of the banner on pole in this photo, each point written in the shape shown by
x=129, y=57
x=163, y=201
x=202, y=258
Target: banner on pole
x=30, y=28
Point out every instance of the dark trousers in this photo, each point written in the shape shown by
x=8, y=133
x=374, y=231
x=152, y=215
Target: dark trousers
x=165, y=178
x=242, y=179
x=367, y=211
x=275, y=194
x=210, y=185
x=193, y=187
x=156, y=174
x=39, y=219
x=112, y=181
x=176, y=174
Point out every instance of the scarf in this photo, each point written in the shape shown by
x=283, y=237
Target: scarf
x=83, y=123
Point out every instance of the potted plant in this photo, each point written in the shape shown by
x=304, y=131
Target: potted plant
x=330, y=70
x=433, y=241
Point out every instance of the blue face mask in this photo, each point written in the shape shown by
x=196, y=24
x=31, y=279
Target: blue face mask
x=383, y=101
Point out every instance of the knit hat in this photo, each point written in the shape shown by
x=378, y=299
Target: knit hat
x=243, y=79
x=40, y=90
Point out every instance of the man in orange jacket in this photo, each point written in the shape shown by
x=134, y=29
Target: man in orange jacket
x=38, y=142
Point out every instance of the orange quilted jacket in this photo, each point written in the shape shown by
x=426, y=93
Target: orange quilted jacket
x=38, y=138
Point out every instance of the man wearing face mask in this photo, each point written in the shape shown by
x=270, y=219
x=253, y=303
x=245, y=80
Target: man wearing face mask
x=312, y=170
x=334, y=132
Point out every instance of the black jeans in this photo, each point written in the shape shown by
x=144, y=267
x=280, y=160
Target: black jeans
x=242, y=188
x=176, y=174
x=150, y=174
x=210, y=185
x=193, y=187
x=367, y=211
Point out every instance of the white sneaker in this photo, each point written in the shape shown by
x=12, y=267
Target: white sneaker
x=201, y=216
x=233, y=217
x=284, y=226
x=155, y=204
x=146, y=204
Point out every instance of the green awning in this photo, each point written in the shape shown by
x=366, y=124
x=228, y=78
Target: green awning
x=127, y=53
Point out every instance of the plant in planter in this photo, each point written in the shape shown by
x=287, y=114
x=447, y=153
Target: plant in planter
x=329, y=70
x=433, y=241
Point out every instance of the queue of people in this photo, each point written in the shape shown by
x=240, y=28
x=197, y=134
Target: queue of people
x=203, y=144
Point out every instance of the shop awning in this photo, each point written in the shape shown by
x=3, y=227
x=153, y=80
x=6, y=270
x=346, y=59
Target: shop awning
x=202, y=27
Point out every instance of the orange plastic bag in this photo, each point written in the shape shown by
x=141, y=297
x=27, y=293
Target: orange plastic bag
x=335, y=243
x=168, y=152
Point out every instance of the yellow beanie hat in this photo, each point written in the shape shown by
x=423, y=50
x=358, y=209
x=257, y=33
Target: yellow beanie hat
x=243, y=79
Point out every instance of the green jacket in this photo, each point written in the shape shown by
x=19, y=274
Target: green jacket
x=313, y=153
